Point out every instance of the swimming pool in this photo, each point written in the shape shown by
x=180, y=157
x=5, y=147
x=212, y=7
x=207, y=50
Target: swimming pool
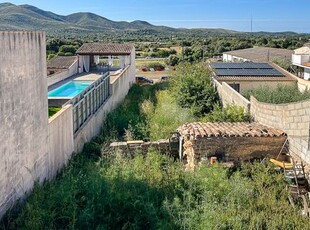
x=70, y=89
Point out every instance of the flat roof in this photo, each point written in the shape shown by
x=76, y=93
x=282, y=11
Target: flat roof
x=105, y=49
x=199, y=130
x=262, y=54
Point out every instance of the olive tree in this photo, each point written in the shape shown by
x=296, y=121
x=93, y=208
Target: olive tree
x=193, y=88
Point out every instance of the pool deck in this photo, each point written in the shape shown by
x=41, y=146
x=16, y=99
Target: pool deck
x=91, y=76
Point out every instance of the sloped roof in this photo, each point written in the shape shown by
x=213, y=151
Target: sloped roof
x=198, y=130
x=262, y=54
x=61, y=62
x=105, y=49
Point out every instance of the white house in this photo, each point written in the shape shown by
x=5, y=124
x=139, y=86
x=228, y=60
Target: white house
x=301, y=59
x=257, y=54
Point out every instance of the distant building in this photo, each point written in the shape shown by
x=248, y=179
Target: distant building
x=301, y=59
x=89, y=54
x=62, y=63
x=248, y=75
x=257, y=54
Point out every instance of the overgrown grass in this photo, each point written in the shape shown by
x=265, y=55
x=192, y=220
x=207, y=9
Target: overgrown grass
x=154, y=192
x=53, y=110
x=128, y=115
x=164, y=117
x=281, y=94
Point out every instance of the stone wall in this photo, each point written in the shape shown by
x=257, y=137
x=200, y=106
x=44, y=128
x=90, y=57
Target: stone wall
x=229, y=148
x=294, y=118
x=229, y=96
x=23, y=114
x=60, y=140
x=130, y=148
x=238, y=148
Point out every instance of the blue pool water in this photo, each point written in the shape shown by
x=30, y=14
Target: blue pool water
x=70, y=89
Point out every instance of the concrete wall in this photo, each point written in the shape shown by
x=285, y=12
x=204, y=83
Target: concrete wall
x=229, y=96
x=294, y=118
x=57, y=77
x=250, y=85
x=60, y=140
x=23, y=114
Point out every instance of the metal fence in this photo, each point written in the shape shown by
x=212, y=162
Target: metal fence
x=89, y=101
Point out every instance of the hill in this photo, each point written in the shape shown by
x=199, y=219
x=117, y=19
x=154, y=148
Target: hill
x=26, y=17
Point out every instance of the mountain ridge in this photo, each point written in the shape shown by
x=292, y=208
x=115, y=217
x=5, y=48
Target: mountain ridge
x=28, y=17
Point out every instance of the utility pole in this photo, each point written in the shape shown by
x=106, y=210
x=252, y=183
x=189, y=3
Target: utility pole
x=251, y=24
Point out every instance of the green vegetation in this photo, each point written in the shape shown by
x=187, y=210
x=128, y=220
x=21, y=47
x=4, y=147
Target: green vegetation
x=165, y=116
x=230, y=113
x=154, y=192
x=191, y=85
x=100, y=189
x=281, y=94
x=53, y=110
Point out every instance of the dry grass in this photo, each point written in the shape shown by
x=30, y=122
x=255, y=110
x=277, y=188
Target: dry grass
x=154, y=75
x=177, y=48
x=143, y=62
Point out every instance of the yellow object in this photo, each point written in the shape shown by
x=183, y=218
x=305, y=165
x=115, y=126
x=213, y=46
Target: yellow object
x=281, y=163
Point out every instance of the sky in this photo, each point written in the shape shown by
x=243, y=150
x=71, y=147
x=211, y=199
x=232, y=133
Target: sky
x=267, y=15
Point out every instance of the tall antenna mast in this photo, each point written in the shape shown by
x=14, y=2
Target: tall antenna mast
x=251, y=24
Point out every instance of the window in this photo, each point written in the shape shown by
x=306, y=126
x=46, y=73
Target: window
x=235, y=87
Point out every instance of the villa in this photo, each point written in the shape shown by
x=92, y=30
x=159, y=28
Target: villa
x=301, y=59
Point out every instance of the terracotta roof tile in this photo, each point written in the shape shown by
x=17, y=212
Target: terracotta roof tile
x=198, y=130
x=61, y=62
x=105, y=49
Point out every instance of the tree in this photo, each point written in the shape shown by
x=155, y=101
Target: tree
x=68, y=49
x=192, y=87
x=173, y=60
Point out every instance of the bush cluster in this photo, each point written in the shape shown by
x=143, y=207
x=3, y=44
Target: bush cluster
x=230, y=113
x=281, y=94
x=192, y=87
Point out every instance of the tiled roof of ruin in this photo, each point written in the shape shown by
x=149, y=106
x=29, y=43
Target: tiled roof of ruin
x=105, y=49
x=198, y=130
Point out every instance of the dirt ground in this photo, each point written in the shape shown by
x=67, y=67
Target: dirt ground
x=154, y=75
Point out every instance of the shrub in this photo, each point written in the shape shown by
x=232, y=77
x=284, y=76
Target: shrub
x=173, y=60
x=281, y=94
x=53, y=110
x=192, y=87
x=92, y=149
x=230, y=113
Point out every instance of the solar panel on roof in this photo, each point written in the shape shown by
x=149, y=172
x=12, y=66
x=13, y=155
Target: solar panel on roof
x=248, y=72
x=243, y=65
